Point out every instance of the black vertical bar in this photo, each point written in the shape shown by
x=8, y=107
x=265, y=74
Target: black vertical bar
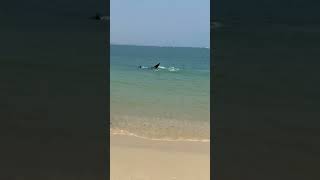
x=265, y=93
x=54, y=90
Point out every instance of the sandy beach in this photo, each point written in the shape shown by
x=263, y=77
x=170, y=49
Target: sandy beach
x=135, y=158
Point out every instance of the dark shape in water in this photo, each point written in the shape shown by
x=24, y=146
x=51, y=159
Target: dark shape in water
x=153, y=67
x=156, y=66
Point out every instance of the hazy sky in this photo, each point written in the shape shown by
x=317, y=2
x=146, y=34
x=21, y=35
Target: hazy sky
x=160, y=22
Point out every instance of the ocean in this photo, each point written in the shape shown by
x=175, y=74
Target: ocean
x=171, y=103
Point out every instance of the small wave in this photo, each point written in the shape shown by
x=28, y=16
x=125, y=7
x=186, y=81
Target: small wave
x=170, y=69
x=144, y=67
x=160, y=128
x=127, y=133
x=173, y=69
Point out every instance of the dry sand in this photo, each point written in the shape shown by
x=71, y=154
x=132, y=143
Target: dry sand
x=135, y=158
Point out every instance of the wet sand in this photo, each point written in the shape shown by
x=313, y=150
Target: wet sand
x=133, y=158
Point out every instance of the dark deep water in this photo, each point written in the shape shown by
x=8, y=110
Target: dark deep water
x=266, y=93
x=53, y=88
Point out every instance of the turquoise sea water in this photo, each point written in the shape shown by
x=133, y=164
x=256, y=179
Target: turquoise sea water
x=170, y=103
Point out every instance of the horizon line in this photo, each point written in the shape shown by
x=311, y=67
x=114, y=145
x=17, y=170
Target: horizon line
x=205, y=47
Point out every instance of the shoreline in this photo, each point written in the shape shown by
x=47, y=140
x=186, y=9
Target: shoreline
x=136, y=158
x=120, y=132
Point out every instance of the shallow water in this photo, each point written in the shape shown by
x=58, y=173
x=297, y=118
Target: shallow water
x=171, y=102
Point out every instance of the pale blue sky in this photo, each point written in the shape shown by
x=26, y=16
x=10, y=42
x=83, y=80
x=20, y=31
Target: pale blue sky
x=160, y=22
